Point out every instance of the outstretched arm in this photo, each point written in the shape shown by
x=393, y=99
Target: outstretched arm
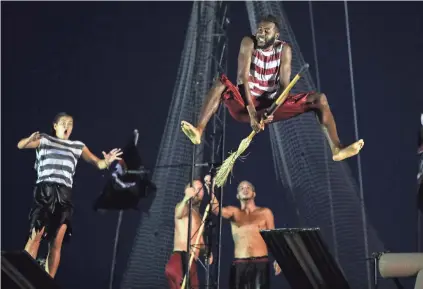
x=227, y=212
x=101, y=164
x=31, y=142
x=285, y=70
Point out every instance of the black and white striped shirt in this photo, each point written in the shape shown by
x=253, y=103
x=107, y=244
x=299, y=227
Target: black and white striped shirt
x=57, y=159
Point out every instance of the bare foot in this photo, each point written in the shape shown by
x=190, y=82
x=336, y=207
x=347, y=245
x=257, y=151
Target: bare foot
x=343, y=153
x=191, y=132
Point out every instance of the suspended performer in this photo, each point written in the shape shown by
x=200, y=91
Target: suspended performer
x=56, y=160
x=176, y=266
x=264, y=70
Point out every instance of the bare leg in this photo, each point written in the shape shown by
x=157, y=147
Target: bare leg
x=33, y=243
x=329, y=127
x=209, y=108
x=53, y=258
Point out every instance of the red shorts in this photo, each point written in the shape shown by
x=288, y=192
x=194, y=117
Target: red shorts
x=294, y=104
x=175, y=271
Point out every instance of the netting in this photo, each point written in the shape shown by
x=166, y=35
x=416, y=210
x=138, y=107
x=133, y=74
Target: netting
x=325, y=193
x=154, y=241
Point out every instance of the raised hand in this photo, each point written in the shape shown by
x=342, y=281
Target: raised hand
x=268, y=119
x=190, y=192
x=255, y=125
x=112, y=155
x=34, y=136
x=207, y=182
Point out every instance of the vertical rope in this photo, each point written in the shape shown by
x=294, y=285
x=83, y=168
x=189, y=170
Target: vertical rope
x=313, y=35
x=316, y=63
x=360, y=178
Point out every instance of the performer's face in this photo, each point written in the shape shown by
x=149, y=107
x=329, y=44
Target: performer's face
x=246, y=191
x=266, y=34
x=63, y=127
x=198, y=186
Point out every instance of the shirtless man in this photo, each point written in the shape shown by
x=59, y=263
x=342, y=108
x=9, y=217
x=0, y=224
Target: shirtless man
x=250, y=267
x=264, y=70
x=176, y=266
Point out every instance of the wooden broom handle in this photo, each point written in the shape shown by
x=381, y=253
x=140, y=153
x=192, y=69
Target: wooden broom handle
x=200, y=232
x=285, y=92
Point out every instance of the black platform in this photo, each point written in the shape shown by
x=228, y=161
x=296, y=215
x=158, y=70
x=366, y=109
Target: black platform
x=20, y=271
x=304, y=258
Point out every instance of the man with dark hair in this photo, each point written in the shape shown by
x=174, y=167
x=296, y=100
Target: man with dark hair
x=264, y=70
x=176, y=265
x=57, y=156
x=272, y=19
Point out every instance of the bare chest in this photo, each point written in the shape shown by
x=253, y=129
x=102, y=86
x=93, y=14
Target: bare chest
x=195, y=222
x=252, y=221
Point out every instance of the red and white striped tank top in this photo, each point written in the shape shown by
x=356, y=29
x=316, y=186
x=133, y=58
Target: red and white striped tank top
x=264, y=70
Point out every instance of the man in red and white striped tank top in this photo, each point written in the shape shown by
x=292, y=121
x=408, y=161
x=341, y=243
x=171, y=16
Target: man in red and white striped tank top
x=264, y=70
x=263, y=76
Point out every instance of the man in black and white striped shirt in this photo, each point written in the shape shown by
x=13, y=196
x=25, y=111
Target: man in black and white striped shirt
x=57, y=157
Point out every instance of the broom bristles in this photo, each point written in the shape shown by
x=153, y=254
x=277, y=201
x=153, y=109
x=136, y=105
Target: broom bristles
x=226, y=168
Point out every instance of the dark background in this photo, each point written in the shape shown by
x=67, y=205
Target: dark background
x=112, y=65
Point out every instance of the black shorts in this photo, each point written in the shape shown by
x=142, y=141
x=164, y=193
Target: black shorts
x=250, y=273
x=51, y=208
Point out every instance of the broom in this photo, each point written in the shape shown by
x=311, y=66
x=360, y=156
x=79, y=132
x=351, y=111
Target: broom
x=199, y=233
x=223, y=171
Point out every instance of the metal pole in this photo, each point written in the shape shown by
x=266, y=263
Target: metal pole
x=119, y=222
x=208, y=229
x=419, y=233
x=219, y=217
x=209, y=235
x=112, y=270
x=376, y=258
x=419, y=198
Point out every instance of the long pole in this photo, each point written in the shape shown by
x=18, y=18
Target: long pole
x=187, y=269
x=119, y=222
x=360, y=178
x=222, y=155
x=115, y=246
